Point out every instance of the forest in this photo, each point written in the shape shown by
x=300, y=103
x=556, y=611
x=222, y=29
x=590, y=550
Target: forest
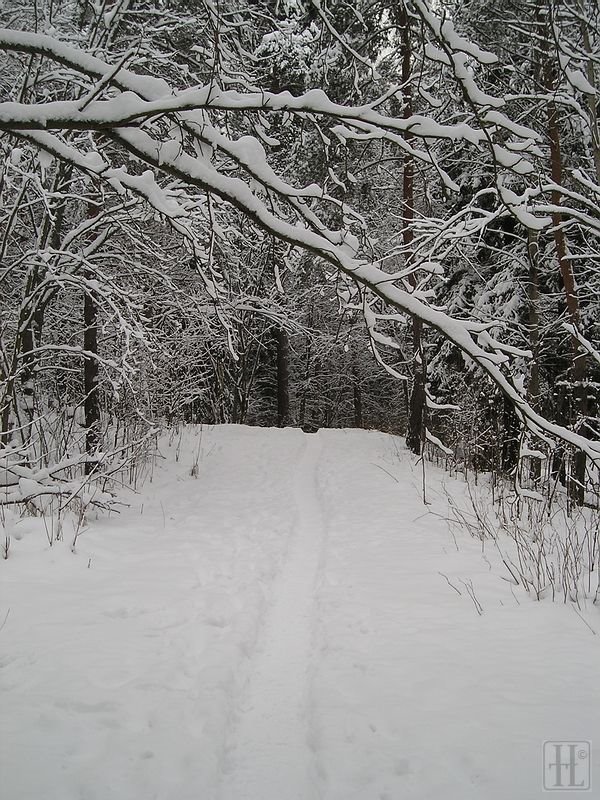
x=299, y=424
x=375, y=215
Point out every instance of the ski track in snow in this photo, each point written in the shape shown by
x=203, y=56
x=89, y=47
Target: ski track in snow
x=280, y=627
x=271, y=758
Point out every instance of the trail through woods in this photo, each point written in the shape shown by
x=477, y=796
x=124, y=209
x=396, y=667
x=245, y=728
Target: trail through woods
x=271, y=756
x=282, y=627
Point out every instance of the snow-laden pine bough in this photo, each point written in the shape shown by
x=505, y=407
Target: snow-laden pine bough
x=180, y=135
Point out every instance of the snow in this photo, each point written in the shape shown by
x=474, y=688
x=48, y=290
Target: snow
x=580, y=82
x=310, y=233
x=436, y=441
x=284, y=625
x=512, y=161
x=502, y=121
x=327, y=245
x=274, y=702
x=517, y=207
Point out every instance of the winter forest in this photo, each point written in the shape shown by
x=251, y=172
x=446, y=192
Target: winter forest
x=299, y=371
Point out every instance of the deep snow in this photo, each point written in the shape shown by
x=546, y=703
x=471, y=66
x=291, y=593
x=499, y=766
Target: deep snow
x=277, y=628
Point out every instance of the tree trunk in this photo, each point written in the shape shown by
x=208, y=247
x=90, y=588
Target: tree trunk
x=415, y=435
x=578, y=367
x=307, y=373
x=533, y=291
x=91, y=402
x=578, y=411
x=357, y=399
x=591, y=99
x=283, y=377
x=509, y=453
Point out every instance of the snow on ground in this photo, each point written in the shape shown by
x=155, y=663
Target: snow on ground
x=277, y=628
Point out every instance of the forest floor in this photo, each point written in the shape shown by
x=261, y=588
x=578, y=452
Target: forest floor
x=282, y=625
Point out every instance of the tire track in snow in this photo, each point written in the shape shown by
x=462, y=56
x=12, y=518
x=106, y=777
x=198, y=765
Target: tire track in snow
x=270, y=758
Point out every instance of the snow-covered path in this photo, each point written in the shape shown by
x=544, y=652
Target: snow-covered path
x=281, y=626
x=270, y=756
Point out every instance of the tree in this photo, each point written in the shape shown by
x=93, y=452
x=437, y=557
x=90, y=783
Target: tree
x=548, y=53
x=186, y=150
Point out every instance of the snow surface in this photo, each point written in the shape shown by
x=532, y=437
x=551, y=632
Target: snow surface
x=277, y=628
